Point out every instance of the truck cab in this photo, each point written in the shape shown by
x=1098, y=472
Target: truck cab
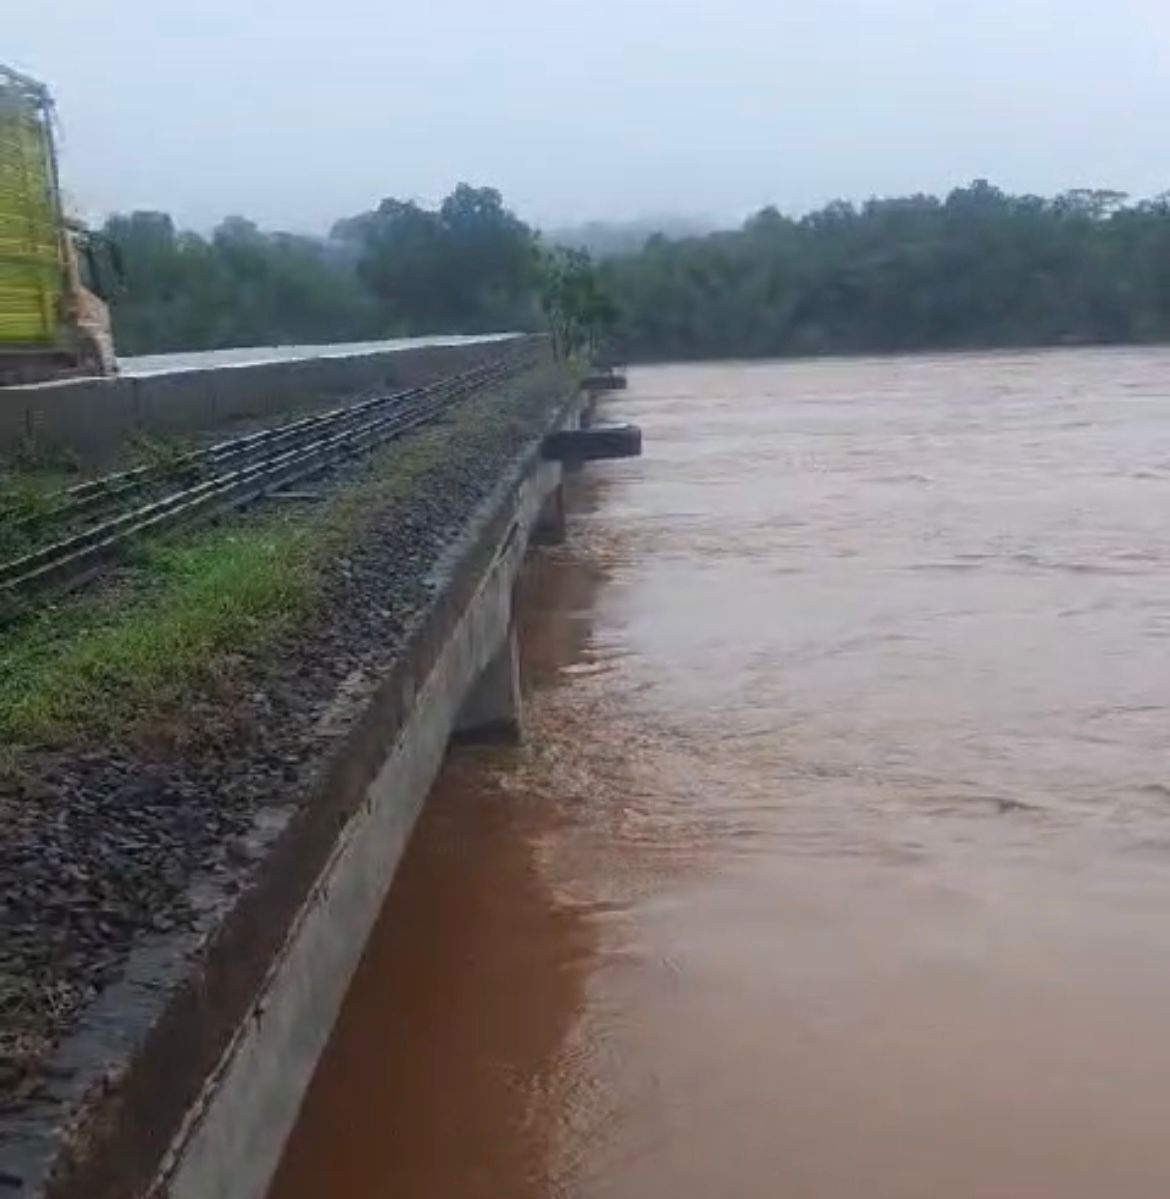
x=94, y=272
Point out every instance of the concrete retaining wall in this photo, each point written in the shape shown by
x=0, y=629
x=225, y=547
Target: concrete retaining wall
x=188, y=1082
x=234, y=1140
x=93, y=420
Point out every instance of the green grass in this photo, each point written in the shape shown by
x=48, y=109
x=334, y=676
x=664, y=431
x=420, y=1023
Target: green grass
x=23, y=497
x=89, y=665
x=135, y=654
x=95, y=665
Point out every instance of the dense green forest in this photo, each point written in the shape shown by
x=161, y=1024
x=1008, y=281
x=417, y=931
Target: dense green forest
x=468, y=266
x=977, y=268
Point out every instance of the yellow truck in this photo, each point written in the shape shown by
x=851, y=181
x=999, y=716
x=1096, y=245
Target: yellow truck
x=54, y=275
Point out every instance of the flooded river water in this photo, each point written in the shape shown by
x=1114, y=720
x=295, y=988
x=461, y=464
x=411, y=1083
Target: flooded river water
x=837, y=863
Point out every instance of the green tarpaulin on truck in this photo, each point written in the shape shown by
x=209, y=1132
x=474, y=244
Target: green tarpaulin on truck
x=31, y=267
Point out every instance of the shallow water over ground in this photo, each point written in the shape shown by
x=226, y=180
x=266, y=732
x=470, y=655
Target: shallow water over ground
x=838, y=860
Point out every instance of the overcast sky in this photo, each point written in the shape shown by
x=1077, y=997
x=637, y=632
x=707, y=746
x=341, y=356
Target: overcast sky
x=297, y=112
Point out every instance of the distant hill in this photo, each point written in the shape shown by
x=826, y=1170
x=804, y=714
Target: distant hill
x=604, y=239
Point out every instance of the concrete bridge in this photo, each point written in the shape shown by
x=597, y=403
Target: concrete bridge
x=183, y=395
x=183, y=1078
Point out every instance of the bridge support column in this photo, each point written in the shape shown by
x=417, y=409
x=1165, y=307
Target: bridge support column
x=550, y=524
x=491, y=711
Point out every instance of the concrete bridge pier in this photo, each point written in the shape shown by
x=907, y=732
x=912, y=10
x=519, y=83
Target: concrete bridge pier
x=492, y=710
x=550, y=522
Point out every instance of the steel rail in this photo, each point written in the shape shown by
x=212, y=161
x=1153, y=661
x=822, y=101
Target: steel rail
x=266, y=465
x=95, y=495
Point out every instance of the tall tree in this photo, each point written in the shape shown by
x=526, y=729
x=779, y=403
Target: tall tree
x=468, y=266
x=578, y=307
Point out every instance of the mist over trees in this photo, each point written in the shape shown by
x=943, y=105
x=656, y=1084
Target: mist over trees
x=976, y=268
x=607, y=239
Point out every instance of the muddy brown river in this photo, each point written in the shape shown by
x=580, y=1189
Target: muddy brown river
x=837, y=862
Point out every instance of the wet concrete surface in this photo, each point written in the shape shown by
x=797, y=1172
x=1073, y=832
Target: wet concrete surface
x=837, y=861
x=157, y=364
x=123, y=863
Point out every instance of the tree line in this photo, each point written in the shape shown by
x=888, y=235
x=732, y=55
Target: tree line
x=469, y=266
x=976, y=268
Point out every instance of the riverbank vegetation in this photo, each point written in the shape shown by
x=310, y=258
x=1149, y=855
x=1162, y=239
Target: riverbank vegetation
x=976, y=268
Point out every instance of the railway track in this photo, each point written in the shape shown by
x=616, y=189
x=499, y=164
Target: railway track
x=88, y=527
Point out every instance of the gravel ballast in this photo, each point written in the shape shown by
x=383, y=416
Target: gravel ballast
x=136, y=846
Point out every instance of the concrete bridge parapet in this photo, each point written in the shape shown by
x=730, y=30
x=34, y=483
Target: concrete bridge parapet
x=93, y=421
